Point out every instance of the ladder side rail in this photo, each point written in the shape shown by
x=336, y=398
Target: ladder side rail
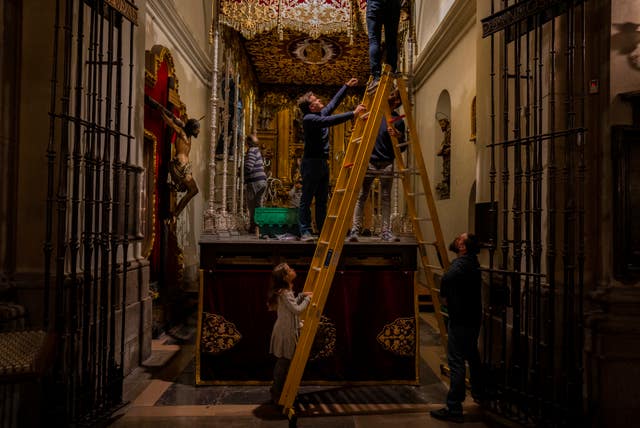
x=412, y=208
x=433, y=211
x=333, y=233
x=320, y=285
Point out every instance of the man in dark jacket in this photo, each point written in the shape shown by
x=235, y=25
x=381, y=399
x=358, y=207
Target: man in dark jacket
x=316, y=121
x=381, y=166
x=460, y=290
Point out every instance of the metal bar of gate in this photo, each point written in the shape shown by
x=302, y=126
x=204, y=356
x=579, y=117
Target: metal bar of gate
x=516, y=212
x=546, y=345
x=488, y=332
x=51, y=155
x=127, y=200
x=504, y=200
x=89, y=301
x=108, y=193
x=98, y=245
x=74, y=243
x=60, y=322
x=115, y=374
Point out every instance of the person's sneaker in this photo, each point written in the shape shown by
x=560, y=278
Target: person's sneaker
x=445, y=414
x=388, y=237
x=353, y=236
x=306, y=237
x=373, y=84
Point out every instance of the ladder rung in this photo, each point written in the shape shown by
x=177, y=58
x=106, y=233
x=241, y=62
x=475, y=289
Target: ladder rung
x=357, y=140
x=316, y=268
x=406, y=170
x=416, y=193
x=323, y=242
x=434, y=243
x=332, y=216
x=364, y=116
x=347, y=164
x=433, y=267
x=401, y=145
x=341, y=190
x=396, y=118
x=422, y=218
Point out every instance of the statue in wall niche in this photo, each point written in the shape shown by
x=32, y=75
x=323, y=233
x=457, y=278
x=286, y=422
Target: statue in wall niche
x=180, y=177
x=443, y=188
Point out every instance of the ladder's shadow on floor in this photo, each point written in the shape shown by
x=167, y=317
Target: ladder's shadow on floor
x=351, y=400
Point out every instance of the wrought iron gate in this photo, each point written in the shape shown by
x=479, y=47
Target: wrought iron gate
x=533, y=336
x=89, y=198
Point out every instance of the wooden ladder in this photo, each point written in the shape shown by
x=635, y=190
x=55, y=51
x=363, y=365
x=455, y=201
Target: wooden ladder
x=339, y=219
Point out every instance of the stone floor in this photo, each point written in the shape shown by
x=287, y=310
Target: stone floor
x=162, y=393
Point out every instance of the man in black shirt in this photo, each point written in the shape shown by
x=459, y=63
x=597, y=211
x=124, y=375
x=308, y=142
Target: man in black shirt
x=381, y=166
x=317, y=118
x=460, y=290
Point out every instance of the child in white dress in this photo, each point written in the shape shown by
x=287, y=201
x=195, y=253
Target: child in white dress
x=286, y=329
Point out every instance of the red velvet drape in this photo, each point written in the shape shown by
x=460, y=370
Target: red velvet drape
x=153, y=123
x=359, y=305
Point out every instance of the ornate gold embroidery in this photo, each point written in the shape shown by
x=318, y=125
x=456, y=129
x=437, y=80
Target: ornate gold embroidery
x=324, y=344
x=315, y=17
x=218, y=334
x=298, y=60
x=399, y=337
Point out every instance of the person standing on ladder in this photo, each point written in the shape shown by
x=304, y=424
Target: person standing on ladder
x=316, y=121
x=381, y=166
x=382, y=13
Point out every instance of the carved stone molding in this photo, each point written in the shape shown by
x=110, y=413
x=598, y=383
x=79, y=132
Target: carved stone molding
x=167, y=17
x=455, y=25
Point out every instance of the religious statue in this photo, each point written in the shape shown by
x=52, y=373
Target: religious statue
x=181, y=179
x=443, y=188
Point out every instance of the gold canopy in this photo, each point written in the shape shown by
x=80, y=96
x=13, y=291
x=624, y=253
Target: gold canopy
x=313, y=17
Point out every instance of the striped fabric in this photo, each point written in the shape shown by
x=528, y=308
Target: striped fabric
x=254, y=166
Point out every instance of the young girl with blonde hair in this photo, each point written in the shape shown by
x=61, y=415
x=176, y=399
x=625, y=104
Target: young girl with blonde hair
x=286, y=329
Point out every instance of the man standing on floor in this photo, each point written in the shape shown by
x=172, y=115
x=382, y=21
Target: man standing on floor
x=381, y=166
x=460, y=290
x=314, y=167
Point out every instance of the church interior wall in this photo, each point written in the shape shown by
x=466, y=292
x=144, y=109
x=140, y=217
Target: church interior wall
x=428, y=16
x=36, y=59
x=195, y=94
x=454, y=73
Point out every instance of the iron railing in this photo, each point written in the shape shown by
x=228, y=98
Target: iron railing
x=533, y=335
x=90, y=175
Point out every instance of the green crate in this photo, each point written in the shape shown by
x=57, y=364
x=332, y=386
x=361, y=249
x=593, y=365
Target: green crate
x=276, y=220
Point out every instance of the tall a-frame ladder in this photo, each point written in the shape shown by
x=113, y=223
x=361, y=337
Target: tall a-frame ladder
x=340, y=214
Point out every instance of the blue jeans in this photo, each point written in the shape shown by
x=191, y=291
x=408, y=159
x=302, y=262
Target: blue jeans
x=315, y=184
x=383, y=13
x=463, y=346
